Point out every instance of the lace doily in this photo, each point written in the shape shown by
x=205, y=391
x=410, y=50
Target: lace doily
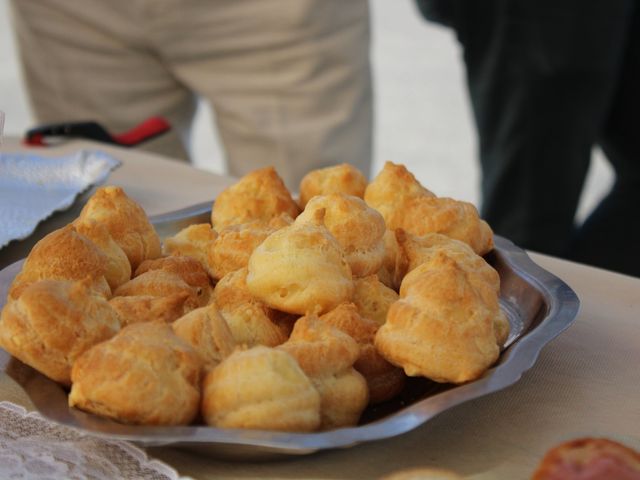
x=32, y=447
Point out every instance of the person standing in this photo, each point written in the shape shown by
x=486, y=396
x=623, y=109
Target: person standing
x=289, y=81
x=548, y=80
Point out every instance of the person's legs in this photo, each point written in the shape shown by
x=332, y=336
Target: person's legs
x=91, y=60
x=289, y=80
x=541, y=77
x=610, y=237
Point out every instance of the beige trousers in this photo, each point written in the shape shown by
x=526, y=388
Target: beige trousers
x=289, y=80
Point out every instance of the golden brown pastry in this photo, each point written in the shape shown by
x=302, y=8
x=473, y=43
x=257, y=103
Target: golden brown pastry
x=193, y=241
x=274, y=394
x=259, y=195
x=63, y=254
x=425, y=473
x=147, y=308
x=453, y=218
x=373, y=298
x=405, y=203
x=327, y=355
x=389, y=274
x=589, y=459
x=53, y=323
x=188, y=269
x=391, y=188
x=145, y=375
x=320, y=348
x=208, y=333
x=384, y=380
x=160, y=283
x=343, y=178
x=417, y=251
x=357, y=227
x=235, y=243
x=126, y=221
x=299, y=269
x=441, y=328
x=250, y=320
x=118, y=268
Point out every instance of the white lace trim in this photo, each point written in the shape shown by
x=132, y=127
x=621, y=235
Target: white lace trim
x=32, y=447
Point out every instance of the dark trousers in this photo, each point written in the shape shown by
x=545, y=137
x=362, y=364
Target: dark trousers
x=548, y=80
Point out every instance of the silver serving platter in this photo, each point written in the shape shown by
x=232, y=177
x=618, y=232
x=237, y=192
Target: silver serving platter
x=539, y=306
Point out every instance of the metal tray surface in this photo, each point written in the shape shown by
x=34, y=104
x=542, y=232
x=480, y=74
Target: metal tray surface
x=539, y=306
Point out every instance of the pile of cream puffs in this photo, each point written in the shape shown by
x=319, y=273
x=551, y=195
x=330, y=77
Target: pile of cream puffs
x=278, y=315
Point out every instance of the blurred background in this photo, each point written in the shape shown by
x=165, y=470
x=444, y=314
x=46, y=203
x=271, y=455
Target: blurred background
x=422, y=113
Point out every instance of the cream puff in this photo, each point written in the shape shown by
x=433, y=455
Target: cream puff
x=53, y=322
x=441, y=327
x=391, y=188
x=259, y=195
x=357, y=227
x=190, y=270
x=145, y=375
x=118, y=268
x=208, y=333
x=384, y=380
x=300, y=268
x=126, y=221
x=193, y=241
x=261, y=388
x=160, y=283
x=327, y=355
x=373, y=298
x=418, y=251
x=63, y=254
x=250, y=320
x=148, y=308
x=343, y=178
x=235, y=243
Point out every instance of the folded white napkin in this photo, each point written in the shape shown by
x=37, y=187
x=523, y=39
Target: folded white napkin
x=32, y=187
